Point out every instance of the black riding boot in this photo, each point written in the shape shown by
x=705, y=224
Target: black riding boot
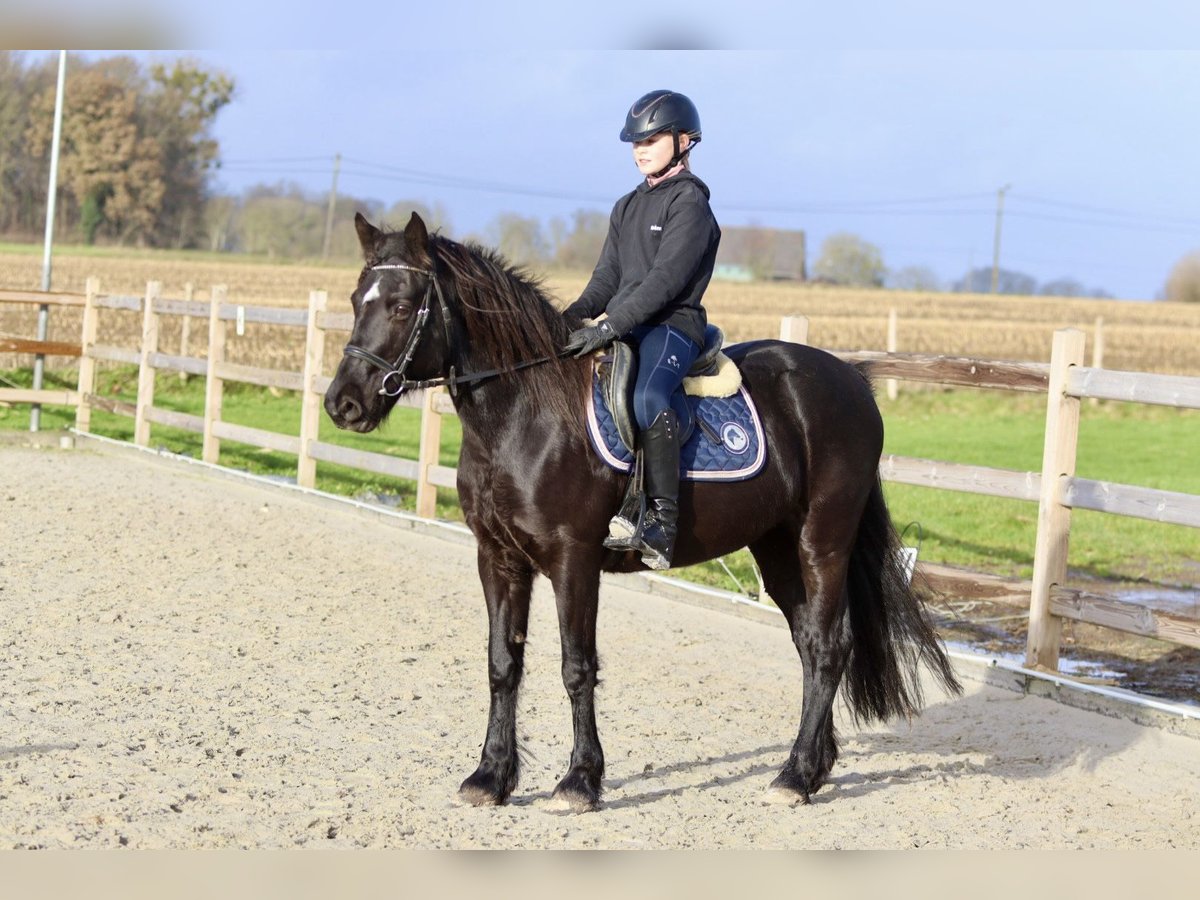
x=660, y=456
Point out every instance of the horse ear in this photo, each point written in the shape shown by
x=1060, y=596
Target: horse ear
x=417, y=236
x=368, y=235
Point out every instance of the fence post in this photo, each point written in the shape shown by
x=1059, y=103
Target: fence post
x=185, y=327
x=310, y=400
x=428, y=455
x=794, y=329
x=892, y=385
x=213, y=389
x=87, y=365
x=145, y=393
x=1054, y=519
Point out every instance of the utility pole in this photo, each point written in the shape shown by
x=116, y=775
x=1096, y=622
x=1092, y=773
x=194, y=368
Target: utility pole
x=337, y=164
x=996, y=243
x=43, y=319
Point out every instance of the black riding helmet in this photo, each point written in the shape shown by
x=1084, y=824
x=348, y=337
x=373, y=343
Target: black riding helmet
x=660, y=111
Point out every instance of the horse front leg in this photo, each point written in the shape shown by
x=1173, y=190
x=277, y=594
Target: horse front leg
x=577, y=592
x=507, y=582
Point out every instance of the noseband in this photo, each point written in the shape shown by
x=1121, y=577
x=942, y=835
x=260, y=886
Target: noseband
x=395, y=370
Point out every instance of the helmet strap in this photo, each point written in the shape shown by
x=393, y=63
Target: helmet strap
x=674, y=159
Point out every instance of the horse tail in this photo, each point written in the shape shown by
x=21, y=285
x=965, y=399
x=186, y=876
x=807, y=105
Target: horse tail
x=891, y=635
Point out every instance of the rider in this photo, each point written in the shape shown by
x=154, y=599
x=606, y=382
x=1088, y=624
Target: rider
x=657, y=260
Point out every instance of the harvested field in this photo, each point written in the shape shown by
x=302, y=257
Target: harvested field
x=1150, y=337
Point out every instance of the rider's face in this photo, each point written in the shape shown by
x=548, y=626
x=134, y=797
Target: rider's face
x=653, y=154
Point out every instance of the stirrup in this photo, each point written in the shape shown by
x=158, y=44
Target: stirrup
x=625, y=526
x=621, y=534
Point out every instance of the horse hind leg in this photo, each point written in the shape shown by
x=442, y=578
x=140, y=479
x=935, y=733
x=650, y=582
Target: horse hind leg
x=810, y=588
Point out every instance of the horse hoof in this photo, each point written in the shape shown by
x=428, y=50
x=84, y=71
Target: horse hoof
x=478, y=796
x=785, y=796
x=571, y=801
x=474, y=795
x=481, y=788
x=784, y=790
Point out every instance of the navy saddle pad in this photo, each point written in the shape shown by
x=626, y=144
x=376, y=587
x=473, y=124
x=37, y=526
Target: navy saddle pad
x=726, y=444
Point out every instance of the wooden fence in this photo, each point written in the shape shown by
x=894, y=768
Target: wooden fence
x=1056, y=489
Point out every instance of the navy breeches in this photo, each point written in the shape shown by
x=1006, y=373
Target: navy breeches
x=665, y=355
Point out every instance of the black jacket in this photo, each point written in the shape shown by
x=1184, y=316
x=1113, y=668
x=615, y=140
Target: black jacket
x=657, y=259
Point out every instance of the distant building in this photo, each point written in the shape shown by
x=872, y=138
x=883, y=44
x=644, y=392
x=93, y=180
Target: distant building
x=770, y=254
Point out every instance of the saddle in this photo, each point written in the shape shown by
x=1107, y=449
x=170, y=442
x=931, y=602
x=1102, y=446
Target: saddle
x=713, y=374
x=721, y=435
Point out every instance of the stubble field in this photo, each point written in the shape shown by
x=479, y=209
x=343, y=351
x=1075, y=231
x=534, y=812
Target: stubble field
x=1151, y=337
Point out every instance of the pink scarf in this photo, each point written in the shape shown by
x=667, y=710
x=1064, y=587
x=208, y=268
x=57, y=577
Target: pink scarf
x=674, y=170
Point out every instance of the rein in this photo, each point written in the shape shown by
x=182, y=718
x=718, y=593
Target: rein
x=395, y=370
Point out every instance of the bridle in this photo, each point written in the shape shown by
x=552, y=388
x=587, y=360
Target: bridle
x=395, y=370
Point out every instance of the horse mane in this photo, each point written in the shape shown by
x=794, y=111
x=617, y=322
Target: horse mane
x=510, y=319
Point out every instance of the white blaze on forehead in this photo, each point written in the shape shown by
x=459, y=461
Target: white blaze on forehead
x=372, y=294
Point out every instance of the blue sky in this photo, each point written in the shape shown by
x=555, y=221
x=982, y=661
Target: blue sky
x=843, y=131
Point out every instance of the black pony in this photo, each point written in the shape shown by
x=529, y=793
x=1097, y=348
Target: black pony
x=538, y=499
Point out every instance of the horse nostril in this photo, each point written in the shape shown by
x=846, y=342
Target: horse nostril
x=343, y=410
x=349, y=410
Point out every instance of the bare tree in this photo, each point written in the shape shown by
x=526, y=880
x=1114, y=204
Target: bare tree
x=519, y=239
x=1183, y=284
x=848, y=259
x=579, y=247
x=914, y=278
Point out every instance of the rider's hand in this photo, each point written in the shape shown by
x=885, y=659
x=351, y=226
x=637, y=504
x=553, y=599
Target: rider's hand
x=583, y=341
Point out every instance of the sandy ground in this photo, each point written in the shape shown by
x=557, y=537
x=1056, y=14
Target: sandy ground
x=193, y=661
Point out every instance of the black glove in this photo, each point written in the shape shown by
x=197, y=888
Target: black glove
x=583, y=341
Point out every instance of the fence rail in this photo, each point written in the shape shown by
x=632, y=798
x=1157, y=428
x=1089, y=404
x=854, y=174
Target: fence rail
x=1056, y=488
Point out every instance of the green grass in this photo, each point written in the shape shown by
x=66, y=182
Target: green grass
x=1127, y=443
x=1118, y=442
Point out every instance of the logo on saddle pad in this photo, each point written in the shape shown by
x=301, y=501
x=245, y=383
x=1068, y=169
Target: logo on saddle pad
x=734, y=437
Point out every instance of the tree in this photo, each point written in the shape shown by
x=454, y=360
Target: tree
x=19, y=174
x=135, y=154
x=280, y=220
x=105, y=164
x=914, y=278
x=435, y=217
x=519, y=239
x=1063, y=287
x=176, y=113
x=758, y=250
x=218, y=218
x=580, y=246
x=979, y=281
x=1183, y=284
x=848, y=259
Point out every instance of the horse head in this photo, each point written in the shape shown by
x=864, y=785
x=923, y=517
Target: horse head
x=394, y=338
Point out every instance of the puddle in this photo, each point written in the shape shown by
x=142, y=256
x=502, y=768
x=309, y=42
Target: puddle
x=1079, y=668
x=1173, y=600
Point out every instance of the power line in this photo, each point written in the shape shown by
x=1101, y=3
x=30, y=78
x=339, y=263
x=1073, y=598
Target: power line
x=1108, y=211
